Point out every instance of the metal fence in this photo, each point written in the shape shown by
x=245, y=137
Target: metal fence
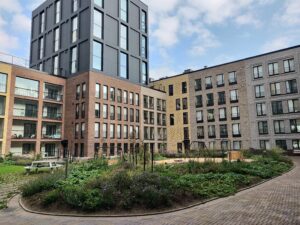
x=4, y=57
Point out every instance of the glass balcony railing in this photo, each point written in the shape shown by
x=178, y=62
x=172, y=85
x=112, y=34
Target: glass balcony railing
x=26, y=92
x=17, y=134
x=53, y=96
x=56, y=135
x=31, y=113
x=53, y=116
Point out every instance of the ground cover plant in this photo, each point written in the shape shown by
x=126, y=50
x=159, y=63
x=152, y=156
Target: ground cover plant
x=96, y=187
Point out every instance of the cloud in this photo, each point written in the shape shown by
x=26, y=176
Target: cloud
x=248, y=19
x=277, y=43
x=8, y=42
x=291, y=13
x=11, y=6
x=21, y=22
x=163, y=71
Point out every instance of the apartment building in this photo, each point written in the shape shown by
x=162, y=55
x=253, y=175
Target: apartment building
x=32, y=112
x=70, y=37
x=249, y=103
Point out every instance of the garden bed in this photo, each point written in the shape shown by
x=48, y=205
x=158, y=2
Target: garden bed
x=94, y=188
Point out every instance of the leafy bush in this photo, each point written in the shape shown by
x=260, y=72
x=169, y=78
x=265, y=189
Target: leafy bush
x=43, y=183
x=51, y=197
x=1, y=160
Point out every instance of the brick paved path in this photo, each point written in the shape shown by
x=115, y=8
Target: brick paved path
x=276, y=202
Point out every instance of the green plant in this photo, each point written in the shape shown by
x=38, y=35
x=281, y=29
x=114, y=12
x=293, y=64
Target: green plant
x=51, y=197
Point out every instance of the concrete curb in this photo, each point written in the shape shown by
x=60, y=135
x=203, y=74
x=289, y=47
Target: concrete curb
x=145, y=214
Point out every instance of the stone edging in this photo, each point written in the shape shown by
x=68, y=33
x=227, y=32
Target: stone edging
x=144, y=214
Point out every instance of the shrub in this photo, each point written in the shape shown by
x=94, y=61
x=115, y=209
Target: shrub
x=43, y=183
x=1, y=160
x=51, y=197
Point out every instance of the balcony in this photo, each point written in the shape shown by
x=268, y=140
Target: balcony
x=26, y=113
x=52, y=116
x=53, y=93
x=23, y=130
x=26, y=92
x=2, y=106
x=51, y=131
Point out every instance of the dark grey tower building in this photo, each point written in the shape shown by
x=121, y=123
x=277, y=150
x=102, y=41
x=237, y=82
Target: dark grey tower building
x=75, y=36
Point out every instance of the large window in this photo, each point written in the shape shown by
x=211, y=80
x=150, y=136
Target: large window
x=97, y=110
x=222, y=114
x=57, y=11
x=75, y=5
x=124, y=37
x=264, y=144
x=98, y=24
x=27, y=87
x=198, y=102
x=105, y=111
x=223, y=131
x=210, y=115
x=222, y=98
x=144, y=22
x=198, y=85
x=263, y=127
x=237, y=145
x=293, y=106
x=261, y=109
x=185, y=118
x=56, y=65
x=199, y=116
x=112, y=131
x=279, y=127
x=97, y=55
x=98, y=91
x=235, y=113
x=295, y=126
x=144, y=47
x=124, y=10
x=97, y=130
x=105, y=92
x=236, y=130
x=260, y=91
x=277, y=108
x=74, y=60
x=74, y=29
x=184, y=87
x=289, y=65
x=232, y=78
x=257, y=72
x=171, y=90
x=211, y=131
x=3, y=82
x=208, y=83
x=296, y=144
x=275, y=88
x=41, y=48
x=172, y=120
x=144, y=73
x=210, y=99
x=220, y=80
x=99, y=3
x=200, y=132
x=273, y=69
x=124, y=65
x=56, y=39
x=42, y=22
x=234, y=96
x=104, y=130
x=291, y=86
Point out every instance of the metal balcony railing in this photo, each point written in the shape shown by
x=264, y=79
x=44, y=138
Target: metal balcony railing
x=4, y=57
x=26, y=92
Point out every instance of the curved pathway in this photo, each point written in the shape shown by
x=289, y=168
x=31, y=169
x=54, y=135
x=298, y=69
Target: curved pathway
x=273, y=203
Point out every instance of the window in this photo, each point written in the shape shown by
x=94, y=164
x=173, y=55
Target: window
x=104, y=130
x=183, y=87
x=137, y=116
x=293, y=106
x=223, y=131
x=98, y=24
x=131, y=115
x=199, y=116
x=124, y=37
x=74, y=29
x=124, y=9
x=119, y=131
x=184, y=103
x=263, y=127
x=125, y=114
x=112, y=94
x=235, y=113
x=277, y=108
x=211, y=131
x=55, y=65
x=105, y=92
x=259, y=91
x=289, y=65
x=77, y=111
x=83, y=110
x=220, y=80
x=78, y=89
x=125, y=97
x=208, y=83
x=275, y=89
x=237, y=145
x=261, y=109
x=273, y=69
x=83, y=93
x=186, y=134
x=232, y=78
x=137, y=99
x=119, y=113
x=26, y=87
x=144, y=22
x=41, y=47
x=172, y=120
x=97, y=55
x=178, y=104
x=296, y=144
x=82, y=130
x=198, y=85
x=112, y=112
x=210, y=115
x=236, y=132
x=144, y=47
x=74, y=60
x=105, y=111
x=185, y=118
x=75, y=5
x=279, y=127
x=295, y=126
x=125, y=132
x=97, y=110
x=199, y=103
x=210, y=99
x=234, y=96
x=222, y=98
x=124, y=65
x=281, y=144
x=144, y=73
x=57, y=11
x=97, y=130
x=265, y=145
x=76, y=130
x=171, y=90
x=112, y=131
x=291, y=86
x=258, y=72
x=131, y=100
x=99, y=3
x=222, y=114
x=200, y=132
x=42, y=22
x=98, y=91
x=56, y=39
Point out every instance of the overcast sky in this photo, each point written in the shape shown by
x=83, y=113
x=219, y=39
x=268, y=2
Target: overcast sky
x=186, y=34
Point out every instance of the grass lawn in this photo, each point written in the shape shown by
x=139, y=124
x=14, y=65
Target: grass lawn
x=10, y=169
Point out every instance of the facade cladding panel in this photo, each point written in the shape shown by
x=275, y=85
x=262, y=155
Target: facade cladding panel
x=105, y=29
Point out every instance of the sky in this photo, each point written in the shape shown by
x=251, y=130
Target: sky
x=185, y=34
